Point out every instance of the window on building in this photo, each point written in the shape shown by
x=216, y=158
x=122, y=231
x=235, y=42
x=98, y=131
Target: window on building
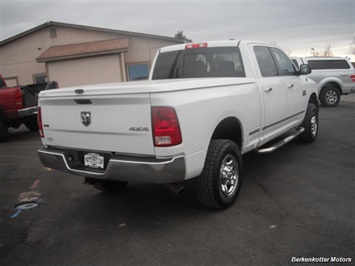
x=53, y=33
x=40, y=78
x=138, y=71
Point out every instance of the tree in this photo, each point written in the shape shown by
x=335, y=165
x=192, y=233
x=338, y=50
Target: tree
x=288, y=52
x=327, y=52
x=314, y=53
x=181, y=36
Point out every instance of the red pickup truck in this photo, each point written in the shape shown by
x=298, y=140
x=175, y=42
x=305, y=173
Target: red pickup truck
x=18, y=105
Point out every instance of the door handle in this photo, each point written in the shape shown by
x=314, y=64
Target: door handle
x=290, y=86
x=267, y=89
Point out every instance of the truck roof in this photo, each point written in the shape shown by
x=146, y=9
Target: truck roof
x=221, y=43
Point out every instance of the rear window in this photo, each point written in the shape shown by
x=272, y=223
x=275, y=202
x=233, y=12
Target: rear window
x=199, y=62
x=328, y=64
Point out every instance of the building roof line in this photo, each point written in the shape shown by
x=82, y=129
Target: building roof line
x=61, y=24
x=77, y=50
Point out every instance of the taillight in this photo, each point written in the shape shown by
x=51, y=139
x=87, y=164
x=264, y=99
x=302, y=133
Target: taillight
x=166, y=129
x=18, y=97
x=352, y=78
x=196, y=45
x=39, y=120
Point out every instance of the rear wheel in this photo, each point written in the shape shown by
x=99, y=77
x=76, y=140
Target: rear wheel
x=329, y=96
x=219, y=183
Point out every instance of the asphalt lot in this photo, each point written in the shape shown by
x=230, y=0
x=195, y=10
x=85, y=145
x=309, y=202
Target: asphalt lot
x=296, y=202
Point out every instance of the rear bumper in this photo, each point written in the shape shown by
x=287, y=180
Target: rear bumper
x=348, y=88
x=120, y=168
x=27, y=111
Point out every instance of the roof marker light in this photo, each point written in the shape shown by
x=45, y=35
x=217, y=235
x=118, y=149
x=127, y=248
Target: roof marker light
x=196, y=45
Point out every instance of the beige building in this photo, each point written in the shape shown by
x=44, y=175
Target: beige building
x=78, y=55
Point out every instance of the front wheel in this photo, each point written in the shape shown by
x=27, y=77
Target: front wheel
x=221, y=178
x=310, y=124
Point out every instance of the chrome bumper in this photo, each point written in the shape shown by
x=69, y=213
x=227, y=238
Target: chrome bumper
x=27, y=111
x=120, y=168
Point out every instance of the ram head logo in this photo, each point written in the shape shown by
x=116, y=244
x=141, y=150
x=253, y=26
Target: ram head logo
x=85, y=118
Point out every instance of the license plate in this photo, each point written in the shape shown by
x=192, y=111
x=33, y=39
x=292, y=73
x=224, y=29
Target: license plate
x=94, y=160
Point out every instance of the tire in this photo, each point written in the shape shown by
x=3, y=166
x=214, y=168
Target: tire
x=4, y=130
x=221, y=178
x=109, y=185
x=32, y=124
x=310, y=124
x=329, y=96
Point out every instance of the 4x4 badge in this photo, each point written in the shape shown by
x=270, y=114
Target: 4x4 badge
x=85, y=118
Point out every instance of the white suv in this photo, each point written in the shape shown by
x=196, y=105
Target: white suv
x=335, y=76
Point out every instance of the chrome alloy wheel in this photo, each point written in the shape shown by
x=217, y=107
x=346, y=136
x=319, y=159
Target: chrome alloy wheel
x=229, y=175
x=331, y=97
x=314, y=125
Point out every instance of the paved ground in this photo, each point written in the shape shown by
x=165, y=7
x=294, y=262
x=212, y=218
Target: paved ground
x=296, y=202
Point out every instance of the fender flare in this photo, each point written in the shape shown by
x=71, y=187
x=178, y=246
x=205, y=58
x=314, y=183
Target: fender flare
x=338, y=83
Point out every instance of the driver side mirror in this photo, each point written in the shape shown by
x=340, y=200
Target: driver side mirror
x=305, y=69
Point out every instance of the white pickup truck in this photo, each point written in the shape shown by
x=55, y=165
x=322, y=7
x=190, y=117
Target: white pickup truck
x=203, y=107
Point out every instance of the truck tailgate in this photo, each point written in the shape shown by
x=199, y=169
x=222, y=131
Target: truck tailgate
x=109, y=121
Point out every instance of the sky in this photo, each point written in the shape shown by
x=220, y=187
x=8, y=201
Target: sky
x=297, y=26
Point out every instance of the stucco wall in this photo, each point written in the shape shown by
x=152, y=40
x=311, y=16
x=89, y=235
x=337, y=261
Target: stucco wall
x=18, y=58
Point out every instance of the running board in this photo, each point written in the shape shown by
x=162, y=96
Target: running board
x=281, y=143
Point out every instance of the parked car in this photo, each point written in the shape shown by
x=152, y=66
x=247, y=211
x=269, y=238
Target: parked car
x=335, y=76
x=18, y=105
x=203, y=107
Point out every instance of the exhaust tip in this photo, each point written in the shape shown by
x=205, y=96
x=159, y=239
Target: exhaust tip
x=176, y=188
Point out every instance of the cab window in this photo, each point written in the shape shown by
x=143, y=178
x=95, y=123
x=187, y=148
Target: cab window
x=285, y=64
x=266, y=61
